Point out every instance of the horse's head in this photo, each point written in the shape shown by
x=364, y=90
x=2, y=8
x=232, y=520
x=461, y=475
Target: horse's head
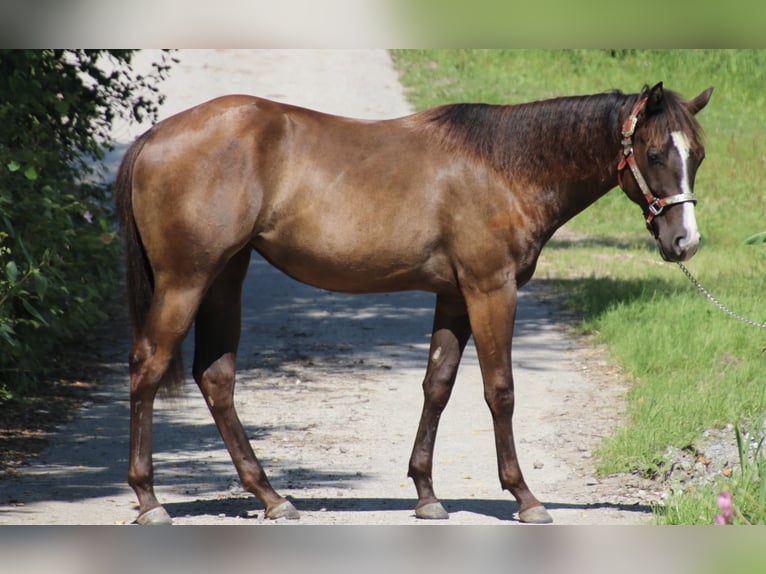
x=662, y=147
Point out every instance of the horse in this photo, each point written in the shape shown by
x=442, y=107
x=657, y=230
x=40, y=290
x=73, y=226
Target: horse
x=457, y=200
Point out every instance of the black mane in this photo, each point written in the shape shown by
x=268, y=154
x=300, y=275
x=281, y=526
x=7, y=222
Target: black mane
x=535, y=137
x=540, y=137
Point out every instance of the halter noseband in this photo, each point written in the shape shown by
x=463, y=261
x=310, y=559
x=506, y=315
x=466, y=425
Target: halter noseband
x=655, y=205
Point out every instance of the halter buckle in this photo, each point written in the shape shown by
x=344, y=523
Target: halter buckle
x=655, y=207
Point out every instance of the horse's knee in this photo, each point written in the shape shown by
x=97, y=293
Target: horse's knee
x=217, y=382
x=500, y=395
x=437, y=392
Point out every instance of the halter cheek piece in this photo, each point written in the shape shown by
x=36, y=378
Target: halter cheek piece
x=655, y=205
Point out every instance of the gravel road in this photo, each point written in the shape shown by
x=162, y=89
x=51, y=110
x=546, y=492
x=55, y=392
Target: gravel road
x=329, y=385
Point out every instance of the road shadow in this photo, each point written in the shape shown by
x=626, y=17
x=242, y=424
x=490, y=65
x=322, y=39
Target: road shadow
x=587, y=298
x=645, y=243
x=284, y=322
x=501, y=509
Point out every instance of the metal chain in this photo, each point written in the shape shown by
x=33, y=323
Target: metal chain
x=715, y=301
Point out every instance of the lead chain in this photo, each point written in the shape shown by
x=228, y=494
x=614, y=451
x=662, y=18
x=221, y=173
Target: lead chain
x=715, y=301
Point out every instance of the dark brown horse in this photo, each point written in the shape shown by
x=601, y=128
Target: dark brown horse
x=457, y=200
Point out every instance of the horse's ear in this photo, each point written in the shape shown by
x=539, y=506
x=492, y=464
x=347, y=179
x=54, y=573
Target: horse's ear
x=654, y=99
x=700, y=101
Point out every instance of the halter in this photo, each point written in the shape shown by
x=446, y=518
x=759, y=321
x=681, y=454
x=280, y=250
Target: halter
x=655, y=205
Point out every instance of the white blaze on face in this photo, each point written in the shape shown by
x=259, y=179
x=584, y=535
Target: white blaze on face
x=681, y=142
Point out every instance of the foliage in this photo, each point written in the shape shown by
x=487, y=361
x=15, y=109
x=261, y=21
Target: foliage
x=758, y=238
x=58, y=256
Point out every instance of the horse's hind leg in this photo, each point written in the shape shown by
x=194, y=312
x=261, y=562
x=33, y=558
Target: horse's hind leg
x=168, y=320
x=451, y=330
x=217, y=331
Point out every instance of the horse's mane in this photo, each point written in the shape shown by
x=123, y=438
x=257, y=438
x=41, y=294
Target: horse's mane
x=535, y=137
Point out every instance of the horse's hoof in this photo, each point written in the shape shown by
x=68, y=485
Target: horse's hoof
x=154, y=517
x=432, y=511
x=284, y=510
x=535, y=515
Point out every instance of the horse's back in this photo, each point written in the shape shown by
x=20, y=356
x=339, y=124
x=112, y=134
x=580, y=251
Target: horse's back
x=340, y=203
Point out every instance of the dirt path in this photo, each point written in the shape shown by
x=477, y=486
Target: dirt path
x=329, y=385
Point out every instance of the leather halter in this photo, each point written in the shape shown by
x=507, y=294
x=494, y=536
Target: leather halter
x=655, y=205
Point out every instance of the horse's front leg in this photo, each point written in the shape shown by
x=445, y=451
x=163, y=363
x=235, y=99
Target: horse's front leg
x=492, y=315
x=450, y=334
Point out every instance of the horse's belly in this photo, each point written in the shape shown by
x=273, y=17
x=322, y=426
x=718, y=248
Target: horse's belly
x=363, y=266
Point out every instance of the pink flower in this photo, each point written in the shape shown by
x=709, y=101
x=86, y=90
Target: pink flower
x=724, y=503
x=88, y=216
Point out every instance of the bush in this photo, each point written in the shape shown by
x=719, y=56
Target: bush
x=58, y=253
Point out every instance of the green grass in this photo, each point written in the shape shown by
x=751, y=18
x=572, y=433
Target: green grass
x=690, y=366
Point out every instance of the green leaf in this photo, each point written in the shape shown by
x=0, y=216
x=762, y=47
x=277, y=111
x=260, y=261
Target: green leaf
x=8, y=225
x=41, y=284
x=30, y=173
x=8, y=334
x=756, y=239
x=12, y=271
x=13, y=166
x=32, y=311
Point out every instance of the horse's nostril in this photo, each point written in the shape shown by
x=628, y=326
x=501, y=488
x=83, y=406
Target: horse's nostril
x=685, y=246
x=686, y=241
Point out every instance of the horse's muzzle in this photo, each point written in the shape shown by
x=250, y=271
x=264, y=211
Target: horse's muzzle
x=682, y=248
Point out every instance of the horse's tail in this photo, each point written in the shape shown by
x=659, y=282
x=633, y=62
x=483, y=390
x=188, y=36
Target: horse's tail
x=138, y=270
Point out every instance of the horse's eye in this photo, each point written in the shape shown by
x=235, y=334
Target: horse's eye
x=654, y=156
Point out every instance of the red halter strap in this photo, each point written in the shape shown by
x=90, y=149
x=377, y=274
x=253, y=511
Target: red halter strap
x=655, y=205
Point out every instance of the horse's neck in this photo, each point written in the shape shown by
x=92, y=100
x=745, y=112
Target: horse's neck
x=560, y=155
x=578, y=190
x=577, y=152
